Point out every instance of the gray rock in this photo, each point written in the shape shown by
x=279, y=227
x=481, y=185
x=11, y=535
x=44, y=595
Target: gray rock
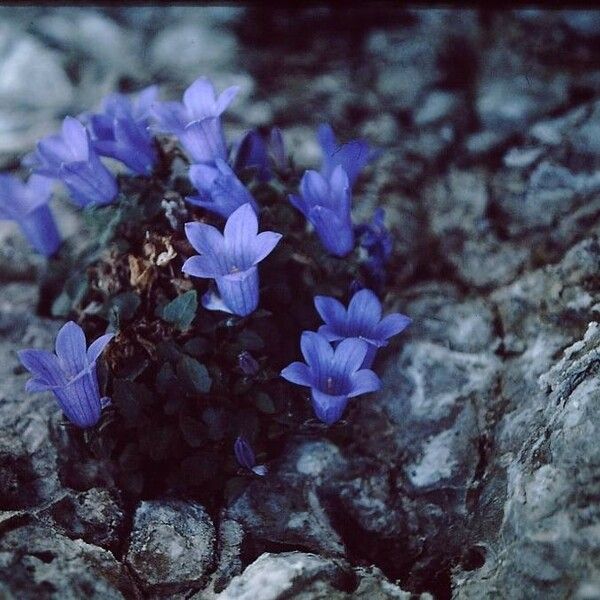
x=38, y=562
x=485, y=142
x=31, y=75
x=171, y=546
x=512, y=103
x=382, y=130
x=439, y=315
x=189, y=49
x=286, y=507
x=584, y=138
x=229, y=563
x=91, y=34
x=438, y=105
x=459, y=219
x=521, y=158
x=96, y=516
x=300, y=576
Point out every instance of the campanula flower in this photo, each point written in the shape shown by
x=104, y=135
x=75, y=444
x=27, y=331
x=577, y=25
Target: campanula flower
x=219, y=190
x=27, y=204
x=257, y=153
x=70, y=157
x=245, y=456
x=326, y=203
x=230, y=258
x=247, y=363
x=70, y=374
x=121, y=131
x=196, y=121
x=377, y=241
x=352, y=156
x=362, y=321
x=334, y=376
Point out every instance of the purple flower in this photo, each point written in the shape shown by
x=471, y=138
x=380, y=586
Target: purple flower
x=377, y=241
x=326, y=204
x=71, y=158
x=254, y=152
x=245, y=456
x=196, y=121
x=247, y=363
x=121, y=131
x=362, y=321
x=352, y=156
x=70, y=374
x=27, y=204
x=231, y=258
x=220, y=191
x=334, y=376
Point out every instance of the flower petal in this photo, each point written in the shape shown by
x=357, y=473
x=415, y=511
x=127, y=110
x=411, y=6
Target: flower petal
x=299, y=203
x=335, y=233
x=170, y=117
x=317, y=352
x=339, y=191
x=70, y=348
x=202, y=266
x=35, y=385
x=328, y=408
x=40, y=229
x=204, y=238
x=314, y=188
x=240, y=233
x=332, y=312
x=145, y=99
x=80, y=399
x=199, y=99
x=391, y=325
x=326, y=139
x=298, y=373
x=43, y=365
x=204, y=140
x=244, y=453
x=264, y=244
x=97, y=346
x=349, y=356
x=239, y=291
x=364, y=313
x=363, y=382
x=329, y=334
x=212, y=301
x=203, y=177
x=76, y=139
x=226, y=98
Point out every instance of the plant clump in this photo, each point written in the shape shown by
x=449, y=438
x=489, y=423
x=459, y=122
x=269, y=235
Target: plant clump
x=201, y=324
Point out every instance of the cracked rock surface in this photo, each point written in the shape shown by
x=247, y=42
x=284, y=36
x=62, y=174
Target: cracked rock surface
x=475, y=472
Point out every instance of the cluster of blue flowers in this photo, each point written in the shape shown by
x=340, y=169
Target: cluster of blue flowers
x=338, y=357
x=336, y=374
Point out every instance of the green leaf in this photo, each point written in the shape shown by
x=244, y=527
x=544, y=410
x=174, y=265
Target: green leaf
x=265, y=403
x=215, y=421
x=124, y=305
x=62, y=305
x=181, y=311
x=168, y=350
x=129, y=398
x=193, y=375
x=75, y=289
x=201, y=467
x=193, y=430
x=250, y=340
x=197, y=347
x=165, y=380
